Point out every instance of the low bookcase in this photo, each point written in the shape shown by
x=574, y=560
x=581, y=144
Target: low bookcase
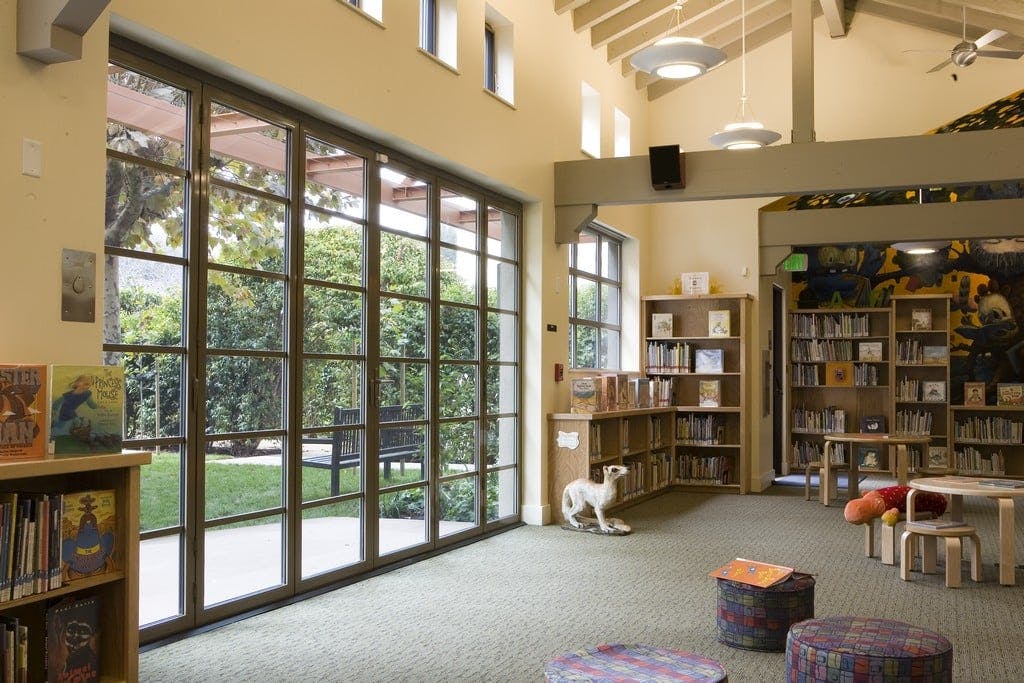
x=118, y=591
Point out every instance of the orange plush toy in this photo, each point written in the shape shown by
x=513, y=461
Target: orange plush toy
x=874, y=503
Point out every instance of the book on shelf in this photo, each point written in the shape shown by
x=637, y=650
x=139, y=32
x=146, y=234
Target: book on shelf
x=937, y=456
x=661, y=325
x=12, y=637
x=935, y=523
x=974, y=393
x=87, y=410
x=73, y=641
x=872, y=424
x=869, y=352
x=23, y=409
x=88, y=537
x=622, y=391
x=839, y=374
x=608, y=388
x=1010, y=394
x=708, y=361
x=921, y=319
x=695, y=283
x=1002, y=483
x=868, y=457
x=933, y=391
x=718, y=323
x=709, y=393
x=752, y=572
x=641, y=388
x=583, y=395
x=934, y=354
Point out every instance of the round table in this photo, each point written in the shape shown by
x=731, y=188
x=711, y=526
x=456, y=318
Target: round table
x=897, y=451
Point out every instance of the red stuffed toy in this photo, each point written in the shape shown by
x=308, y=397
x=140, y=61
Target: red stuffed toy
x=874, y=503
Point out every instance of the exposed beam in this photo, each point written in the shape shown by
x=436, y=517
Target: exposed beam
x=945, y=17
x=835, y=15
x=562, y=6
x=51, y=31
x=569, y=220
x=967, y=158
x=628, y=19
x=803, y=71
x=651, y=31
x=585, y=16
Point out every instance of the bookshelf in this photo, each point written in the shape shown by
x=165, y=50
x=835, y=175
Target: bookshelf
x=987, y=440
x=920, y=386
x=118, y=591
x=838, y=374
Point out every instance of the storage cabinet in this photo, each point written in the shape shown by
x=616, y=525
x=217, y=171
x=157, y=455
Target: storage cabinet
x=118, y=591
x=987, y=440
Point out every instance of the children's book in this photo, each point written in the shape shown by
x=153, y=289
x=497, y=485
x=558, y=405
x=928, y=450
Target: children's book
x=23, y=409
x=88, y=536
x=87, y=409
x=753, y=573
x=661, y=325
x=584, y=396
x=73, y=641
x=718, y=323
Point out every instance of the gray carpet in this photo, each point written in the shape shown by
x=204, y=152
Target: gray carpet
x=497, y=610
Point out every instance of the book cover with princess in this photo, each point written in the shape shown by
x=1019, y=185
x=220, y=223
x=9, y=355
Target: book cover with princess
x=23, y=409
x=87, y=409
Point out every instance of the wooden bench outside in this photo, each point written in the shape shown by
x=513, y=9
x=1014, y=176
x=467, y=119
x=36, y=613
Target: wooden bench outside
x=401, y=444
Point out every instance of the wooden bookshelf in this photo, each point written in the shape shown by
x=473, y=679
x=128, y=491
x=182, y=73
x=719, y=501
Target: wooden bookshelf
x=118, y=591
x=987, y=440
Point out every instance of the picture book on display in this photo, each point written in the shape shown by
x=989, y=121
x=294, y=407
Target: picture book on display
x=754, y=573
x=974, y=393
x=23, y=409
x=661, y=325
x=709, y=393
x=920, y=319
x=88, y=534
x=869, y=351
x=872, y=424
x=1009, y=394
x=584, y=395
x=718, y=323
x=86, y=410
x=708, y=361
x=839, y=374
x=73, y=641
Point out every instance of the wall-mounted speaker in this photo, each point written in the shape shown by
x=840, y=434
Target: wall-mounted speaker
x=666, y=167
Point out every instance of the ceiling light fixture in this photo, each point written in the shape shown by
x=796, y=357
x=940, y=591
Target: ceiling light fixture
x=745, y=132
x=676, y=57
x=921, y=247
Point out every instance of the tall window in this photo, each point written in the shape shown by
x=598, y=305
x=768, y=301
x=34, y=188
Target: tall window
x=438, y=34
x=595, y=299
x=428, y=26
x=375, y=8
x=590, y=120
x=499, y=68
x=490, y=60
x=622, y=141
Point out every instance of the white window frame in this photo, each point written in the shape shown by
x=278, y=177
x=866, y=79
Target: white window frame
x=504, y=65
x=590, y=120
x=612, y=280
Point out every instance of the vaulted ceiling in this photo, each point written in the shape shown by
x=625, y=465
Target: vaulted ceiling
x=622, y=27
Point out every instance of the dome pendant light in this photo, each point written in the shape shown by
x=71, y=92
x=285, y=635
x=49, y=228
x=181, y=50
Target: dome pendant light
x=745, y=132
x=676, y=57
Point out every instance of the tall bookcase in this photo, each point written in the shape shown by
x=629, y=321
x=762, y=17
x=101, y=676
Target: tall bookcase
x=920, y=386
x=118, y=591
x=988, y=441
x=711, y=449
x=839, y=374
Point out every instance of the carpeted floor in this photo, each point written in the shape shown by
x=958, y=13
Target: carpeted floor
x=499, y=609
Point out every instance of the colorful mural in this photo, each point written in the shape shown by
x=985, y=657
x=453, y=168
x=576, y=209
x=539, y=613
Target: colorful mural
x=986, y=281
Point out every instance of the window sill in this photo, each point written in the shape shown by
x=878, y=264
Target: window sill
x=589, y=155
x=510, y=105
x=438, y=60
x=359, y=10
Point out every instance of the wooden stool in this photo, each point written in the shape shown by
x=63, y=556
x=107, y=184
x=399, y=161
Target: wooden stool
x=889, y=538
x=833, y=483
x=953, y=536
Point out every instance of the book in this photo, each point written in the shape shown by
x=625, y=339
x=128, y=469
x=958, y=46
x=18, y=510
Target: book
x=709, y=393
x=870, y=352
x=839, y=374
x=974, y=393
x=1002, y=483
x=23, y=409
x=872, y=424
x=937, y=456
x=661, y=325
x=622, y=391
x=695, y=283
x=73, y=641
x=752, y=572
x=921, y=319
x=708, y=361
x=933, y=390
x=87, y=410
x=935, y=523
x=868, y=457
x=1010, y=394
x=88, y=534
x=583, y=395
x=718, y=323
x=934, y=354
x=641, y=388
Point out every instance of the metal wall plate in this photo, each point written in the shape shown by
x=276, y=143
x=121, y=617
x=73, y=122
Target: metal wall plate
x=78, y=286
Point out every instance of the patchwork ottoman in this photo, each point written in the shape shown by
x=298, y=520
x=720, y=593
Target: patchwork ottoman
x=755, y=618
x=615, y=662
x=864, y=649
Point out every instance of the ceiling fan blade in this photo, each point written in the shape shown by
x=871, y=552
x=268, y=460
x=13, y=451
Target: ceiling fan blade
x=1002, y=54
x=940, y=66
x=994, y=34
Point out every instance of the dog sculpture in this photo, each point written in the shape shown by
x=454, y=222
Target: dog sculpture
x=582, y=492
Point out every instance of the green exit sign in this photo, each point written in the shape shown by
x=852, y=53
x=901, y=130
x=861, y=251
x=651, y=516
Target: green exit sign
x=795, y=263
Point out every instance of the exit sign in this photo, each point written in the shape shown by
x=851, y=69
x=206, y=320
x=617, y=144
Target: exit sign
x=795, y=263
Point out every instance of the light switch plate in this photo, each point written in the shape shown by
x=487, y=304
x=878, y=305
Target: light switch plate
x=31, y=158
x=78, y=286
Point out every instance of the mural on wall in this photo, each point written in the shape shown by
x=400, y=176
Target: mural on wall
x=985, y=278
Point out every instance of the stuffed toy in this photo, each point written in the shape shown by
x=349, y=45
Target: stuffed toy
x=875, y=503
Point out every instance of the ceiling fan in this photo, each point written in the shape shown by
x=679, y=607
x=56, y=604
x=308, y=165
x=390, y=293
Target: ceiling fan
x=965, y=52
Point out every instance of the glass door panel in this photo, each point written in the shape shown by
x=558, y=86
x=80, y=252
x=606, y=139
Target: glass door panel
x=402, y=520
x=243, y=558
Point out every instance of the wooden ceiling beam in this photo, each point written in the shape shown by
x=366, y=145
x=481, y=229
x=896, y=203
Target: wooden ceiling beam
x=585, y=16
x=629, y=19
x=835, y=17
x=651, y=31
x=945, y=17
x=563, y=6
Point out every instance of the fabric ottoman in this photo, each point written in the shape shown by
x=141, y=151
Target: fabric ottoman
x=854, y=649
x=618, y=663
x=755, y=618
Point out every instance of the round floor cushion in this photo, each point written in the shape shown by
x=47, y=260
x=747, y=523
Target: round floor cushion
x=755, y=618
x=865, y=649
x=618, y=663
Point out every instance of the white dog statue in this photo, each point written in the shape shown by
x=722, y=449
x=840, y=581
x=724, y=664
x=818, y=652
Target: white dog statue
x=582, y=492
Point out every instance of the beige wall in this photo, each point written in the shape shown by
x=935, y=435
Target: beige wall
x=865, y=87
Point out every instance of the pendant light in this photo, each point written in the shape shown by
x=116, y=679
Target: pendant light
x=676, y=57
x=745, y=132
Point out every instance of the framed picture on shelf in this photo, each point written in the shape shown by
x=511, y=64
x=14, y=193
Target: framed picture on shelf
x=718, y=323
x=933, y=391
x=921, y=319
x=695, y=283
x=974, y=393
x=1010, y=394
x=661, y=325
x=934, y=354
x=872, y=424
x=868, y=457
x=708, y=361
x=709, y=393
x=870, y=352
x=937, y=456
